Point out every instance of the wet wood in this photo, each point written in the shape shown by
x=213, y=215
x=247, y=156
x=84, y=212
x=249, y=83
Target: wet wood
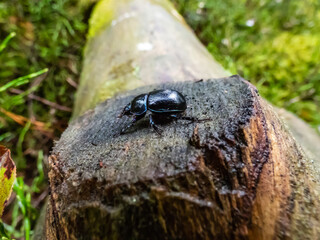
x=239, y=176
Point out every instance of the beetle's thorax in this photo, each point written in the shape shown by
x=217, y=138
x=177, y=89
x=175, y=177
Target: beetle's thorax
x=139, y=104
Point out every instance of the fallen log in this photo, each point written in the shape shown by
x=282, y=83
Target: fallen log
x=136, y=43
x=240, y=175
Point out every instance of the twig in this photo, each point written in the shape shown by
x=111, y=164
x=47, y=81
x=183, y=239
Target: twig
x=37, y=125
x=72, y=82
x=43, y=100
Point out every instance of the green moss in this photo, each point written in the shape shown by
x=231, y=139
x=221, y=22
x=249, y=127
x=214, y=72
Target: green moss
x=279, y=53
x=274, y=44
x=49, y=34
x=101, y=16
x=106, y=10
x=286, y=72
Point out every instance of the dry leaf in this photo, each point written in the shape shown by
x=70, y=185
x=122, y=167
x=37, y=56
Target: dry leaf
x=7, y=176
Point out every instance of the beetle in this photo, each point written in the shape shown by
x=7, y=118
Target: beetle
x=163, y=104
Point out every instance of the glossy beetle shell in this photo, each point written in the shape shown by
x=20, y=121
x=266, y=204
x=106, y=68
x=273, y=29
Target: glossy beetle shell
x=166, y=102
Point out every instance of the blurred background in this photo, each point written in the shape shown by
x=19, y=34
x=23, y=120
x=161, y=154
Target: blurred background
x=273, y=43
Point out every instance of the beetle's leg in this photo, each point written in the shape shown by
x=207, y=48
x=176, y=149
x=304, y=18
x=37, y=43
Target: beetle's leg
x=134, y=120
x=123, y=130
x=180, y=117
x=154, y=126
x=191, y=119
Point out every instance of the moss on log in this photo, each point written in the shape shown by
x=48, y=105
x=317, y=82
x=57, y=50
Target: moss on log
x=240, y=175
x=133, y=43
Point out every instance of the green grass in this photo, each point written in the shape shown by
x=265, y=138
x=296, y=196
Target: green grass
x=23, y=192
x=275, y=44
x=40, y=48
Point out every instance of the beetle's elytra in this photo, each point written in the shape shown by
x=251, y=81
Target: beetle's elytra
x=168, y=103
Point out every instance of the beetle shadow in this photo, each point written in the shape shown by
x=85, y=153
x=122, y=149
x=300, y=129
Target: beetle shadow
x=160, y=121
x=139, y=125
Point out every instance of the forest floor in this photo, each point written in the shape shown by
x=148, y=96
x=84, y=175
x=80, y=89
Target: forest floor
x=273, y=43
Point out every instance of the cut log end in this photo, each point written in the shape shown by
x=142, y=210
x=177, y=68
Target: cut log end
x=228, y=178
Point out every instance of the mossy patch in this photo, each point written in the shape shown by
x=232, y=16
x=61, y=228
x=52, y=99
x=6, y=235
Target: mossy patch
x=287, y=69
x=106, y=10
x=274, y=44
x=101, y=16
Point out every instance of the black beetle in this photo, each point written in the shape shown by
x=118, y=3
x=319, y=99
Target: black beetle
x=163, y=104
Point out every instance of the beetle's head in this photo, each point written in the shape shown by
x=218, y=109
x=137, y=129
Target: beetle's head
x=126, y=111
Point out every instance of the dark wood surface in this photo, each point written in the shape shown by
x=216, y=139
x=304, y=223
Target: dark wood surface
x=238, y=176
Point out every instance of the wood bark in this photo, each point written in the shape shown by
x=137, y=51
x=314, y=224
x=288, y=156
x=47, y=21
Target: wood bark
x=240, y=175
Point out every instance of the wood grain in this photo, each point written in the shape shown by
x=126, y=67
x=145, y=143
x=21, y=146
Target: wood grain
x=239, y=176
